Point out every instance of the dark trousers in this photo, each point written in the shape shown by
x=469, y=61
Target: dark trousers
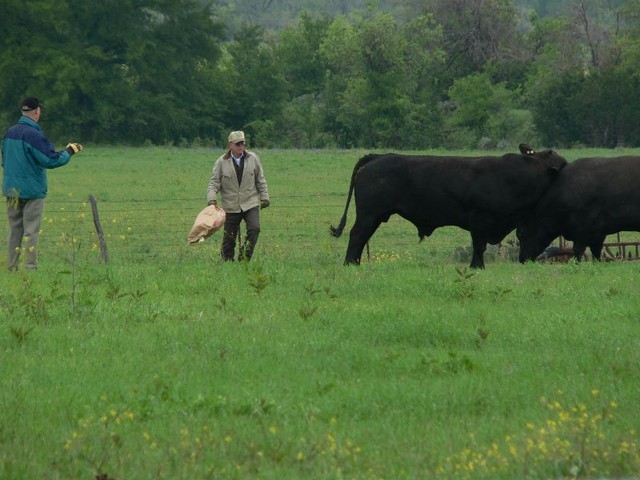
x=232, y=228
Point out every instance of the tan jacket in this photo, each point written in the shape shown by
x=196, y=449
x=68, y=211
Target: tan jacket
x=237, y=197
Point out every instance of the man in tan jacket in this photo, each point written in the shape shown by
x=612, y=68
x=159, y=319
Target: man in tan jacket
x=239, y=177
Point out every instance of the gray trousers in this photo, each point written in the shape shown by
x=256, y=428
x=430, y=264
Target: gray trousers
x=25, y=217
x=231, y=230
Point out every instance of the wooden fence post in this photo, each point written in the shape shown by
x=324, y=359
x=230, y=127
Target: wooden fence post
x=96, y=222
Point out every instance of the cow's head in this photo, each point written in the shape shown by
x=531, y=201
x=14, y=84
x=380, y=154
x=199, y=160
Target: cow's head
x=534, y=236
x=552, y=160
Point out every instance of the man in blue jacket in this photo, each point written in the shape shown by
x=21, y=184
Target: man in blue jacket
x=26, y=154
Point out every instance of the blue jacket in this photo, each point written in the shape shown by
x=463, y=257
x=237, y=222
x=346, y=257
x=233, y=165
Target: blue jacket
x=26, y=154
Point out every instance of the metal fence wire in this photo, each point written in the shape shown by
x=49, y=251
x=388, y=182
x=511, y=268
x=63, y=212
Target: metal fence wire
x=294, y=225
x=137, y=230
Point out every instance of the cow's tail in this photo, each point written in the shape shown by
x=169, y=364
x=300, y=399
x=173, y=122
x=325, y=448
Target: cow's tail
x=337, y=231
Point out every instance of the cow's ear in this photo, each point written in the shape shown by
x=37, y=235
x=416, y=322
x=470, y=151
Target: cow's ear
x=526, y=149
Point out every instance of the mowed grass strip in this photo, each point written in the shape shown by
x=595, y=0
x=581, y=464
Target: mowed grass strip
x=167, y=363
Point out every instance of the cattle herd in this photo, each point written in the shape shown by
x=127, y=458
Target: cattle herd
x=539, y=194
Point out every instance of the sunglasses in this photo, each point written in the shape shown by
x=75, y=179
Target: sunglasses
x=237, y=144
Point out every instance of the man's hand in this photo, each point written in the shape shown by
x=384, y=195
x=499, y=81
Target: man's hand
x=212, y=202
x=73, y=148
x=264, y=204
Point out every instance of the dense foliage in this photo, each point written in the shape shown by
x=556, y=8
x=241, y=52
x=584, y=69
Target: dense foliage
x=385, y=74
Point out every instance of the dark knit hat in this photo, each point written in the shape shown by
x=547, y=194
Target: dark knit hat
x=30, y=103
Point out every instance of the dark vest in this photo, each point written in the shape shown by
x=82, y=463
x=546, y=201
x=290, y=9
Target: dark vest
x=239, y=168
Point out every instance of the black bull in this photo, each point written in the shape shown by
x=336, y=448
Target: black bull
x=486, y=196
x=592, y=198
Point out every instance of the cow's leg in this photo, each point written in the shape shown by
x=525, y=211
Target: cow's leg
x=479, y=246
x=596, y=247
x=360, y=234
x=578, y=249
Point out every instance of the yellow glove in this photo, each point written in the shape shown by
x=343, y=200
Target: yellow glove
x=74, y=148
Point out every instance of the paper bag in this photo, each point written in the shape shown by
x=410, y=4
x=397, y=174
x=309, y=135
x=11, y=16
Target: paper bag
x=208, y=221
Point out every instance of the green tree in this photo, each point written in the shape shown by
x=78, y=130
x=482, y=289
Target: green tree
x=488, y=115
x=475, y=101
x=26, y=48
x=116, y=70
x=581, y=85
x=606, y=109
x=374, y=95
x=552, y=108
x=298, y=54
x=629, y=41
x=167, y=67
x=256, y=86
x=477, y=32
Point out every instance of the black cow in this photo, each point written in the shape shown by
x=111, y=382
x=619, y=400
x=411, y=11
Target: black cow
x=485, y=195
x=592, y=198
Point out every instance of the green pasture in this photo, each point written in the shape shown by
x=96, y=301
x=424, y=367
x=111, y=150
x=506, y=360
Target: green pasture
x=166, y=363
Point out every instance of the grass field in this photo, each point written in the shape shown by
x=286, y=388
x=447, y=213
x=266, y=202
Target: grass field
x=166, y=363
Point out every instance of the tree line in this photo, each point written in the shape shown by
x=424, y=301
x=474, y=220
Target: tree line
x=426, y=74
